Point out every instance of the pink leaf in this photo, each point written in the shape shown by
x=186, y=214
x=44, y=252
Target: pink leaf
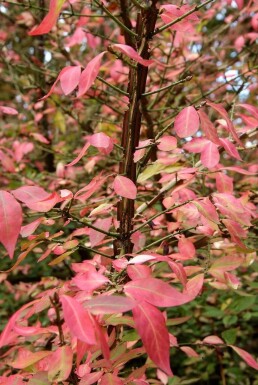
x=125, y=187
x=10, y=221
x=231, y=280
x=131, y=53
x=99, y=140
x=39, y=137
x=138, y=271
x=69, y=79
x=8, y=110
x=187, y=122
x=179, y=271
x=30, y=194
x=91, y=378
x=60, y=364
x=235, y=230
x=109, y=304
x=189, y=351
x=96, y=236
x=78, y=320
x=36, y=198
x=196, y=145
x=167, y=143
x=221, y=110
x=110, y=379
x=102, y=337
x=224, y=183
x=208, y=127
x=90, y=188
x=151, y=326
x=210, y=155
x=246, y=357
x=30, y=228
x=81, y=154
x=213, y=340
x=50, y=19
x=230, y=148
x=186, y=248
x=89, y=74
x=90, y=281
x=157, y=292
x=226, y=263
x=27, y=358
x=252, y=109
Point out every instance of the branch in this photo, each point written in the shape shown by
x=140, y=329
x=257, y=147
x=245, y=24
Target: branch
x=164, y=239
x=188, y=78
x=115, y=19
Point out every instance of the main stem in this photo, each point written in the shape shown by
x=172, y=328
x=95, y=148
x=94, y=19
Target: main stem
x=146, y=20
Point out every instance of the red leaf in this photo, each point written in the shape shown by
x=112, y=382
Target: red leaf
x=187, y=122
x=246, y=357
x=221, y=110
x=50, y=19
x=102, y=337
x=78, y=320
x=210, y=155
x=10, y=221
x=89, y=74
x=157, y=292
x=125, y=187
x=131, y=53
x=151, y=327
x=109, y=304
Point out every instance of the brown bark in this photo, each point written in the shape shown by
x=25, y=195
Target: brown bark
x=145, y=26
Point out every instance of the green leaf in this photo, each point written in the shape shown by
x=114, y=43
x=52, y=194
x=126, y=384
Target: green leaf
x=242, y=303
x=230, y=336
x=230, y=320
x=150, y=171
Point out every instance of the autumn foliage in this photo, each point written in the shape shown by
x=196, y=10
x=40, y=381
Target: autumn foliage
x=127, y=207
